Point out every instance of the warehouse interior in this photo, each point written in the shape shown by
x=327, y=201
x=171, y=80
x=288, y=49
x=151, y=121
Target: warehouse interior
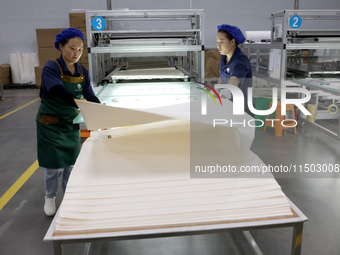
x=302, y=61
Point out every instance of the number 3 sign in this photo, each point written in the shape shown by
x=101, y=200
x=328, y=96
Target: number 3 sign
x=295, y=21
x=99, y=23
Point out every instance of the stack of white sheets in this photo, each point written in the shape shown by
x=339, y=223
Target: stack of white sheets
x=138, y=177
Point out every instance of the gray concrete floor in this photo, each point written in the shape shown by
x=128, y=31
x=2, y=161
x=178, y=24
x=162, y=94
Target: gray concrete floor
x=23, y=224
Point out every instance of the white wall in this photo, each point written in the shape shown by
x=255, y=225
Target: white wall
x=20, y=18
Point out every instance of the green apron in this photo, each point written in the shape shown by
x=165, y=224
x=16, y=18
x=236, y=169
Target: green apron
x=58, y=140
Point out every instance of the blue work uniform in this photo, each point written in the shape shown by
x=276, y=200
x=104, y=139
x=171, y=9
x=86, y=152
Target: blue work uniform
x=240, y=67
x=51, y=77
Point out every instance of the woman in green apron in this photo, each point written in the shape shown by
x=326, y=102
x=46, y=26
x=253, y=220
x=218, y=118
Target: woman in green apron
x=63, y=80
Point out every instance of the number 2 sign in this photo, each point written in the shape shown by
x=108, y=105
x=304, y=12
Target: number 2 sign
x=99, y=23
x=295, y=21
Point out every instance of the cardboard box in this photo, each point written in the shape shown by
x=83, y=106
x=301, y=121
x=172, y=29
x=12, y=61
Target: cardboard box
x=46, y=37
x=305, y=53
x=212, y=63
x=78, y=20
x=84, y=57
x=47, y=53
x=5, y=74
x=38, y=71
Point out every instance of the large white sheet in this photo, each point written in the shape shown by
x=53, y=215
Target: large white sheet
x=100, y=116
x=138, y=177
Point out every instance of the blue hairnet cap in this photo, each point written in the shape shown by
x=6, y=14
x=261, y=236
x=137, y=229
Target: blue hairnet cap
x=68, y=33
x=234, y=31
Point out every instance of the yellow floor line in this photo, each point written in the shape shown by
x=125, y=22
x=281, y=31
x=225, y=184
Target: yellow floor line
x=18, y=184
x=7, y=114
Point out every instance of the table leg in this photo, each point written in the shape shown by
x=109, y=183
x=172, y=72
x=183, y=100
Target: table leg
x=87, y=249
x=250, y=239
x=57, y=248
x=297, y=239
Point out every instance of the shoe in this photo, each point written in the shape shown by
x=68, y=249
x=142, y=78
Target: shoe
x=49, y=207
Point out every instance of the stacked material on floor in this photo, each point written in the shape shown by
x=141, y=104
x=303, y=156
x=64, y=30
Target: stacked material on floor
x=138, y=177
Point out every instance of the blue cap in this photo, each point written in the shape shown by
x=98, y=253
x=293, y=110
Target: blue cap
x=234, y=31
x=68, y=33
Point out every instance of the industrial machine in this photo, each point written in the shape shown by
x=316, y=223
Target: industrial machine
x=304, y=50
x=149, y=45
x=145, y=58
x=304, y=43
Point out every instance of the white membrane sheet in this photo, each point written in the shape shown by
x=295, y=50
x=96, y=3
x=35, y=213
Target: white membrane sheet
x=138, y=177
x=99, y=116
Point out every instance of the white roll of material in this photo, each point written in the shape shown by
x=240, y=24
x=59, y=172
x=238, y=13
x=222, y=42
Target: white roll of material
x=22, y=67
x=257, y=36
x=29, y=61
x=13, y=60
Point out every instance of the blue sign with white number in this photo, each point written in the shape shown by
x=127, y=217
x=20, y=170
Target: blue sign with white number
x=99, y=23
x=295, y=21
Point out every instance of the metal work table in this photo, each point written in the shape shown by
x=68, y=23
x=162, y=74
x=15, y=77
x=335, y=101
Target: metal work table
x=296, y=222
x=138, y=95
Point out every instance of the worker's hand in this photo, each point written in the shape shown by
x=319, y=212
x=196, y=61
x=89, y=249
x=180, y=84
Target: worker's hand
x=225, y=93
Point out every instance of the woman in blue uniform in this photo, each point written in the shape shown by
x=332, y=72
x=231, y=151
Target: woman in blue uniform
x=58, y=138
x=235, y=67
